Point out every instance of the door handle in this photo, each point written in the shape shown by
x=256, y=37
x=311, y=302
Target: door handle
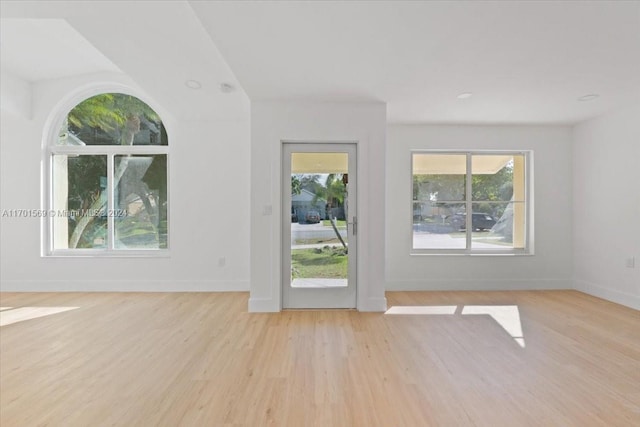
x=354, y=225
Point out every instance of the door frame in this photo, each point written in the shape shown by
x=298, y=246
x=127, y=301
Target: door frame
x=345, y=298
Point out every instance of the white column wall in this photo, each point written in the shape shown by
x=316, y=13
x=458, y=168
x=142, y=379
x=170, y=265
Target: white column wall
x=275, y=122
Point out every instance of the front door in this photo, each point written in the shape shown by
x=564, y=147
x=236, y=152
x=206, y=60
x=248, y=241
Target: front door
x=319, y=225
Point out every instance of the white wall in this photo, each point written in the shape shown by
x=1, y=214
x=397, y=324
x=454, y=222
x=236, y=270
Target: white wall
x=209, y=207
x=16, y=95
x=606, y=206
x=274, y=122
x=548, y=268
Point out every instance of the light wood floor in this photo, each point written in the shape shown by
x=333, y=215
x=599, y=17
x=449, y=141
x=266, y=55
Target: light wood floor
x=201, y=360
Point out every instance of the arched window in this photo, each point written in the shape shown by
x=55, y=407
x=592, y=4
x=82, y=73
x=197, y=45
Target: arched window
x=108, y=171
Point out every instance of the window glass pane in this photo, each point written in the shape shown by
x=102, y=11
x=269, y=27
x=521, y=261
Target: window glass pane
x=498, y=225
x=112, y=119
x=438, y=190
x=439, y=177
x=439, y=226
x=495, y=177
x=498, y=191
x=140, y=214
x=80, y=200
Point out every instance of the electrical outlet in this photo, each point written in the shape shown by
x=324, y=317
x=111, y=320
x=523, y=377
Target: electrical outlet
x=631, y=262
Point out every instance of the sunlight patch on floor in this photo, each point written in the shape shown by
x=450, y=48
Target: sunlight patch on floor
x=10, y=316
x=507, y=316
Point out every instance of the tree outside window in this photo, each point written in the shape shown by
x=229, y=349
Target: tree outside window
x=109, y=178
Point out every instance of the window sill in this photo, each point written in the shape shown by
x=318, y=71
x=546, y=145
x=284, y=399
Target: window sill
x=472, y=254
x=101, y=253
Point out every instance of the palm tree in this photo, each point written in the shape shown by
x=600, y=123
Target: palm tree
x=334, y=192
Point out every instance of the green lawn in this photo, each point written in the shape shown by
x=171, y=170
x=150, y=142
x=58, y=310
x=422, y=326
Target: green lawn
x=322, y=263
x=339, y=223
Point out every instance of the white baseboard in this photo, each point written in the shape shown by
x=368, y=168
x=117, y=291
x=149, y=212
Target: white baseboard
x=263, y=305
x=124, y=286
x=478, y=285
x=373, y=304
x=268, y=305
x=628, y=300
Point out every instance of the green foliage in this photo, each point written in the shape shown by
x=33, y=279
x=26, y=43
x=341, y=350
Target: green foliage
x=295, y=184
x=495, y=187
x=84, y=179
x=98, y=112
x=109, y=111
x=335, y=190
x=114, y=119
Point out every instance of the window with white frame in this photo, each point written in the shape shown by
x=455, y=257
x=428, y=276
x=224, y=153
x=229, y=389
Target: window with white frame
x=471, y=202
x=107, y=179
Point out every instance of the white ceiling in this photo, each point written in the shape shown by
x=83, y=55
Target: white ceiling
x=62, y=51
x=525, y=62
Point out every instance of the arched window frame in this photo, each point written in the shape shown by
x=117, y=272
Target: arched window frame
x=51, y=148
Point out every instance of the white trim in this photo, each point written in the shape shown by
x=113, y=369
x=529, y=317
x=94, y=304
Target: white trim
x=628, y=300
x=263, y=305
x=110, y=253
x=478, y=284
x=109, y=150
x=111, y=233
x=372, y=304
x=124, y=286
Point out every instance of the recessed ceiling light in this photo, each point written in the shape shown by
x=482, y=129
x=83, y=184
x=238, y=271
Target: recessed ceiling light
x=193, y=84
x=589, y=97
x=465, y=95
x=226, y=87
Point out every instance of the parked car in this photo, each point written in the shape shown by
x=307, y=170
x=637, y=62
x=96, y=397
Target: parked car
x=294, y=215
x=479, y=221
x=312, y=217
